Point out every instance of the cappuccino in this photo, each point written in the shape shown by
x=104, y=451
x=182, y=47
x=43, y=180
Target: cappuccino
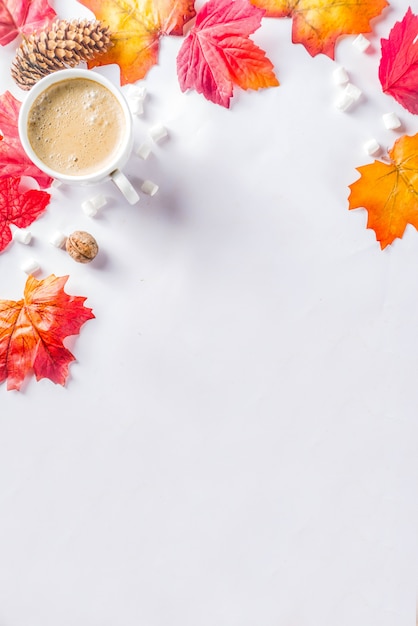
x=76, y=127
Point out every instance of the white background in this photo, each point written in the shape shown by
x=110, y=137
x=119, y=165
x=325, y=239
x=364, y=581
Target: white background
x=236, y=444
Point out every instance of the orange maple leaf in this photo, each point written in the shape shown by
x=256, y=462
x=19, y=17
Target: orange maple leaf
x=389, y=191
x=136, y=27
x=32, y=331
x=317, y=24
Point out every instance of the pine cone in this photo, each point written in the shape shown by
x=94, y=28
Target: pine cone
x=64, y=44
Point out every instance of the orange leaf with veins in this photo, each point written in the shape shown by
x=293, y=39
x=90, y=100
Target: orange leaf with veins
x=136, y=27
x=389, y=191
x=32, y=331
x=317, y=24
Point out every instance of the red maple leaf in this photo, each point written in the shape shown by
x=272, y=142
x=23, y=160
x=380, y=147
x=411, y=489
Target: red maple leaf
x=218, y=53
x=22, y=16
x=18, y=207
x=32, y=331
x=13, y=159
x=398, y=69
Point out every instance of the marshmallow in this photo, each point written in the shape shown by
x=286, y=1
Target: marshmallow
x=98, y=201
x=371, y=147
x=58, y=239
x=31, y=266
x=56, y=183
x=137, y=92
x=144, y=151
x=391, y=121
x=158, y=132
x=89, y=208
x=149, y=187
x=340, y=76
x=353, y=91
x=136, y=106
x=22, y=236
x=344, y=101
x=347, y=97
x=361, y=43
x=93, y=204
x=135, y=96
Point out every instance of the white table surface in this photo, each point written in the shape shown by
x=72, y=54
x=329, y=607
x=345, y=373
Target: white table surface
x=237, y=443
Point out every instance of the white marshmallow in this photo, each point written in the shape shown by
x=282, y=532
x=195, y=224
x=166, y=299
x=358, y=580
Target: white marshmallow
x=93, y=204
x=31, y=266
x=98, y=201
x=136, y=92
x=149, y=187
x=361, y=43
x=158, y=132
x=340, y=76
x=391, y=121
x=353, y=91
x=136, y=106
x=89, y=208
x=58, y=239
x=144, y=151
x=22, y=236
x=56, y=183
x=135, y=95
x=344, y=101
x=371, y=147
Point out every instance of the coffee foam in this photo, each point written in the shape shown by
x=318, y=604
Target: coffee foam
x=76, y=127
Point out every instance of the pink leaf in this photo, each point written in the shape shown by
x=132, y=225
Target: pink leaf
x=398, y=70
x=218, y=52
x=22, y=16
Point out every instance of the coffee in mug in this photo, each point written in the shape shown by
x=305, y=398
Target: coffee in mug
x=76, y=126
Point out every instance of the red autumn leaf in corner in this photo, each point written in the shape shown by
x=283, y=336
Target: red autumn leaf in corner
x=398, y=69
x=32, y=331
x=22, y=16
x=13, y=159
x=18, y=207
x=218, y=54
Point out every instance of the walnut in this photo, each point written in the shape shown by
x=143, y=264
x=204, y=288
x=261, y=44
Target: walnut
x=81, y=246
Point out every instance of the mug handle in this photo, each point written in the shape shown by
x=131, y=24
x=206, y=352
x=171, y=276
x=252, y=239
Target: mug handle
x=125, y=186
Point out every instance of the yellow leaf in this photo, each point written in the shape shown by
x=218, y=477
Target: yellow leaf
x=136, y=27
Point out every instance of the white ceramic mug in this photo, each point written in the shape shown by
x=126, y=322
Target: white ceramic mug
x=112, y=169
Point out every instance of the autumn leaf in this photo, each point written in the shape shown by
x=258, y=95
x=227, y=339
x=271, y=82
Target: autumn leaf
x=317, y=24
x=389, y=191
x=18, y=207
x=218, y=54
x=13, y=159
x=398, y=69
x=23, y=17
x=136, y=27
x=32, y=331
